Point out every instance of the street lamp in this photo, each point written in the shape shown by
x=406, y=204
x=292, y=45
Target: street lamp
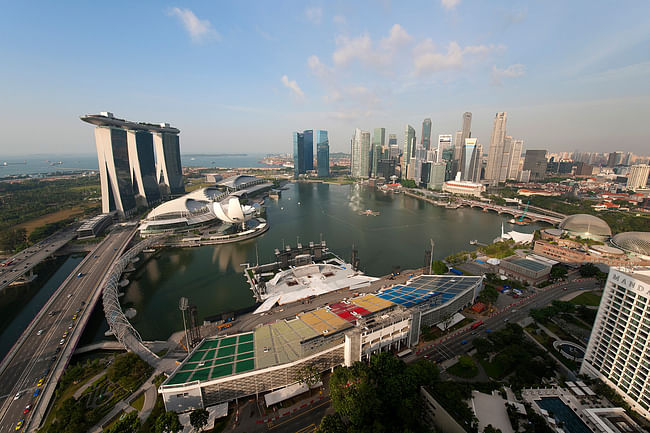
x=183, y=305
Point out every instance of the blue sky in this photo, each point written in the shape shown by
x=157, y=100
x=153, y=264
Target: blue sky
x=241, y=76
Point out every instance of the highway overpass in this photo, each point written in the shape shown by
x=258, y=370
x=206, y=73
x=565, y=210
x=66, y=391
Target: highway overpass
x=42, y=352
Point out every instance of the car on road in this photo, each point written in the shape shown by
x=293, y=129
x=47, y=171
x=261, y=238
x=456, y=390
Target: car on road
x=69, y=295
x=19, y=424
x=74, y=317
x=463, y=342
x=62, y=341
x=27, y=408
x=40, y=332
x=37, y=392
x=40, y=382
x=71, y=325
x=506, y=319
x=17, y=396
x=80, y=274
x=65, y=334
x=487, y=331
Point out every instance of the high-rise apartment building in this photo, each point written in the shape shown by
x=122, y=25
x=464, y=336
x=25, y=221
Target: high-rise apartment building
x=360, y=154
x=322, y=153
x=444, y=142
x=378, y=144
x=409, y=152
x=425, y=140
x=138, y=162
x=638, y=176
x=308, y=140
x=535, y=163
x=618, y=352
x=614, y=159
x=493, y=171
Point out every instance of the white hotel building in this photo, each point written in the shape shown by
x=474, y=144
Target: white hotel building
x=619, y=351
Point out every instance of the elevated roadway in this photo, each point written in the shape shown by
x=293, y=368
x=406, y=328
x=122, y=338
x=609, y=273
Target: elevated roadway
x=25, y=261
x=42, y=351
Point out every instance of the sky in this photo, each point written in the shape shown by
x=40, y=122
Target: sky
x=242, y=76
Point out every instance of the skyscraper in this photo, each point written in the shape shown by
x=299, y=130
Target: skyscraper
x=493, y=172
x=618, y=352
x=360, y=154
x=426, y=134
x=638, y=176
x=535, y=162
x=322, y=153
x=128, y=166
x=409, y=152
x=444, y=142
x=168, y=160
x=308, y=140
x=474, y=153
x=378, y=144
x=142, y=167
x=515, y=157
x=298, y=154
x=459, y=149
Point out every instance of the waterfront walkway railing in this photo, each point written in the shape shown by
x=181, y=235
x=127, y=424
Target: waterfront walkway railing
x=118, y=323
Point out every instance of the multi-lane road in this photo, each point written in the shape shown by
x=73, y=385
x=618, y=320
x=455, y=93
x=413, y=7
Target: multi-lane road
x=30, y=371
x=462, y=342
x=24, y=261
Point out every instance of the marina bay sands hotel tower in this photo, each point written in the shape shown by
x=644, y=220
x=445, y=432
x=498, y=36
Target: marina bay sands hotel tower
x=139, y=163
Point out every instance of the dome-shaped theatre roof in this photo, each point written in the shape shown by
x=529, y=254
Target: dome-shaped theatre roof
x=585, y=225
x=635, y=242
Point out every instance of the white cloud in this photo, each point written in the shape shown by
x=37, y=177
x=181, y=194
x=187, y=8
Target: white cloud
x=428, y=59
x=449, y=4
x=512, y=71
x=396, y=38
x=293, y=86
x=314, y=14
x=350, y=49
x=199, y=30
x=340, y=20
x=362, y=48
x=317, y=67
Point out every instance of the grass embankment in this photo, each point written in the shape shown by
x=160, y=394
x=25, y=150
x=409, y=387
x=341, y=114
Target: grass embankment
x=591, y=299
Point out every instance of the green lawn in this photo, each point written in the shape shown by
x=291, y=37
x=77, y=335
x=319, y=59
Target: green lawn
x=590, y=299
x=492, y=369
x=138, y=403
x=465, y=368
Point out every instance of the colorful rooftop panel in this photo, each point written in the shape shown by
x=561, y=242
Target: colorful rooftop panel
x=216, y=358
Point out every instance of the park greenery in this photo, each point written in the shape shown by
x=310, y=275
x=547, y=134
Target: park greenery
x=558, y=272
x=488, y=295
x=438, y=267
x=498, y=250
x=129, y=423
x=509, y=353
x=380, y=396
x=168, y=422
x=465, y=368
x=69, y=414
x=32, y=199
x=589, y=270
x=199, y=418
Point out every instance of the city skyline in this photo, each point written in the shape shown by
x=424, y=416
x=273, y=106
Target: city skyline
x=583, y=90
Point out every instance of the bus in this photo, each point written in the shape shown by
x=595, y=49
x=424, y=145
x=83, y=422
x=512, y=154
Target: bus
x=403, y=353
x=7, y=263
x=477, y=324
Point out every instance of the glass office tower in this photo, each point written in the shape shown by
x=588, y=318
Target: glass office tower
x=322, y=153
